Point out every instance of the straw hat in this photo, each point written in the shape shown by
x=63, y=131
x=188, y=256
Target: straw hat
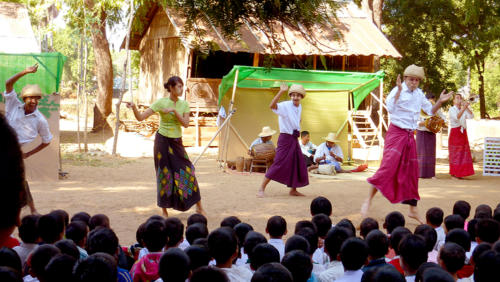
x=332, y=137
x=297, y=88
x=416, y=71
x=267, y=131
x=31, y=90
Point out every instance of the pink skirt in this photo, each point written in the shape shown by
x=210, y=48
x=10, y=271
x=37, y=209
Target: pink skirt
x=459, y=153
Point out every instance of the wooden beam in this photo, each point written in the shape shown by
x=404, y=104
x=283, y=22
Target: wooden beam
x=314, y=62
x=343, y=63
x=255, y=59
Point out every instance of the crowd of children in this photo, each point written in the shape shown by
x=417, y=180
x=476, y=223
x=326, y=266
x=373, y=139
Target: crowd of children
x=55, y=247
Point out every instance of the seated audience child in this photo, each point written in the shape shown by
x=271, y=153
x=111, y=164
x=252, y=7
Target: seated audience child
x=430, y=236
x=223, y=247
x=28, y=232
x=264, y=138
x=487, y=230
x=263, y=253
x=197, y=218
x=308, y=149
x=175, y=232
x=77, y=231
x=155, y=239
x=471, y=229
x=312, y=237
x=299, y=264
x=206, y=273
x=252, y=239
x=346, y=223
x=480, y=249
x=104, y=240
x=9, y=258
x=272, y=272
x=230, y=222
x=8, y=274
x=333, y=241
x=303, y=224
x=424, y=267
x=413, y=253
x=482, y=212
x=383, y=274
x=81, y=216
x=97, y=267
x=50, y=228
x=195, y=231
x=462, y=208
x=174, y=266
x=436, y=274
x=63, y=217
x=60, y=268
x=68, y=247
x=451, y=258
x=321, y=205
x=396, y=236
x=434, y=218
x=99, y=220
x=330, y=153
x=368, y=224
x=39, y=260
x=353, y=254
x=392, y=220
x=198, y=256
x=378, y=246
x=241, y=229
x=297, y=242
x=323, y=224
x=276, y=228
x=453, y=221
x=487, y=266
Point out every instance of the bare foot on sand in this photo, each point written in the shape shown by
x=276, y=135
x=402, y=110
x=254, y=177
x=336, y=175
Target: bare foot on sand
x=415, y=215
x=364, y=208
x=294, y=192
x=201, y=211
x=260, y=194
x=164, y=212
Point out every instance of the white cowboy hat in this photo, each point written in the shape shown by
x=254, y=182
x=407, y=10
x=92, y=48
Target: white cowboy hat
x=297, y=88
x=267, y=131
x=331, y=137
x=416, y=71
x=31, y=90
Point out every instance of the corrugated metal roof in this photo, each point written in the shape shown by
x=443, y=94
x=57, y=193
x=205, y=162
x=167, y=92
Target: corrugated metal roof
x=350, y=33
x=16, y=33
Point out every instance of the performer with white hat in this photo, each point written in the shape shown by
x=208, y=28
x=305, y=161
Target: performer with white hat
x=25, y=118
x=330, y=153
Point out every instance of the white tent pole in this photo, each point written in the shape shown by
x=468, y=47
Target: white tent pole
x=226, y=146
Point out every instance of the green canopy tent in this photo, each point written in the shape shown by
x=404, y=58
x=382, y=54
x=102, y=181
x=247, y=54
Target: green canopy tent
x=332, y=98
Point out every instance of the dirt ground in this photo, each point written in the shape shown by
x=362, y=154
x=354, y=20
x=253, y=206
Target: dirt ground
x=124, y=189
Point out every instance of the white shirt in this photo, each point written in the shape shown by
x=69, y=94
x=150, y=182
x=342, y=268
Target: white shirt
x=29, y=126
x=319, y=256
x=405, y=113
x=351, y=276
x=334, y=271
x=440, y=238
x=323, y=150
x=259, y=141
x=318, y=268
x=244, y=258
x=289, y=116
x=307, y=148
x=238, y=273
x=462, y=122
x=279, y=245
x=144, y=251
x=184, y=244
x=410, y=278
x=24, y=250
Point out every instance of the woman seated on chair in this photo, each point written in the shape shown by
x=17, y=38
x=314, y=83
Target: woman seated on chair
x=330, y=153
x=264, y=138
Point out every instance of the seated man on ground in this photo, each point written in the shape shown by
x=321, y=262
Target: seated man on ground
x=330, y=153
x=308, y=149
x=264, y=138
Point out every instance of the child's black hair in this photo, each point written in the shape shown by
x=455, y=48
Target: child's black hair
x=423, y=267
x=41, y=257
x=321, y=205
x=488, y=230
x=386, y=273
x=195, y=231
x=63, y=216
x=452, y=257
x=453, y=221
x=392, y=220
x=303, y=224
x=198, y=256
x=9, y=258
x=68, y=247
x=479, y=250
x=437, y=274
x=8, y=274
x=396, y=236
x=297, y=242
x=139, y=234
x=230, y=222
x=323, y=223
x=368, y=224
x=102, y=240
x=222, y=244
x=263, y=253
x=471, y=229
x=312, y=238
x=174, y=266
x=487, y=266
x=334, y=239
x=155, y=235
x=483, y=211
x=241, y=230
x=462, y=208
x=353, y=253
x=496, y=214
x=81, y=216
x=97, y=267
x=60, y=268
x=50, y=228
x=77, y=231
x=197, y=218
x=172, y=82
x=378, y=244
x=347, y=224
x=99, y=220
x=276, y=226
x=202, y=242
x=299, y=264
x=429, y=234
x=460, y=237
x=252, y=239
x=434, y=216
x=304, y=133
x=28, y=231
x=208, y=273
x=272, y=272
x=175, y=230
x=413, y=251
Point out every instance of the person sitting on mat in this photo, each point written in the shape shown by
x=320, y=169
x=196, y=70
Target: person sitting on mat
x=264, y=138
x=308, y=149
x=330, y=153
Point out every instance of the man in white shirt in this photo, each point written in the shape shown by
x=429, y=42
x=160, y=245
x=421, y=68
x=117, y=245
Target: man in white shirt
x=397, y=176
x=308, y=149
x=25, y=118
x=330, y=153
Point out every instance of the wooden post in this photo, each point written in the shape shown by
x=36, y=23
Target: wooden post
x=314, y=62
x=255, y=59
x=343, y=63
x=231, y=103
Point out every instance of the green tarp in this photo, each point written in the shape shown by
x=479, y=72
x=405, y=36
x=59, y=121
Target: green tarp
x=358, y=83
x=48, y=75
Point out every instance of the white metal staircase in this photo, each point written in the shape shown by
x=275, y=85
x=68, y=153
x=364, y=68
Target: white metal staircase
x=364, y=130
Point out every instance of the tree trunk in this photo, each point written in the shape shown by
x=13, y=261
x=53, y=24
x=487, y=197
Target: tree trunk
x=482, y=100
x=104, y=69
x=377, y=12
